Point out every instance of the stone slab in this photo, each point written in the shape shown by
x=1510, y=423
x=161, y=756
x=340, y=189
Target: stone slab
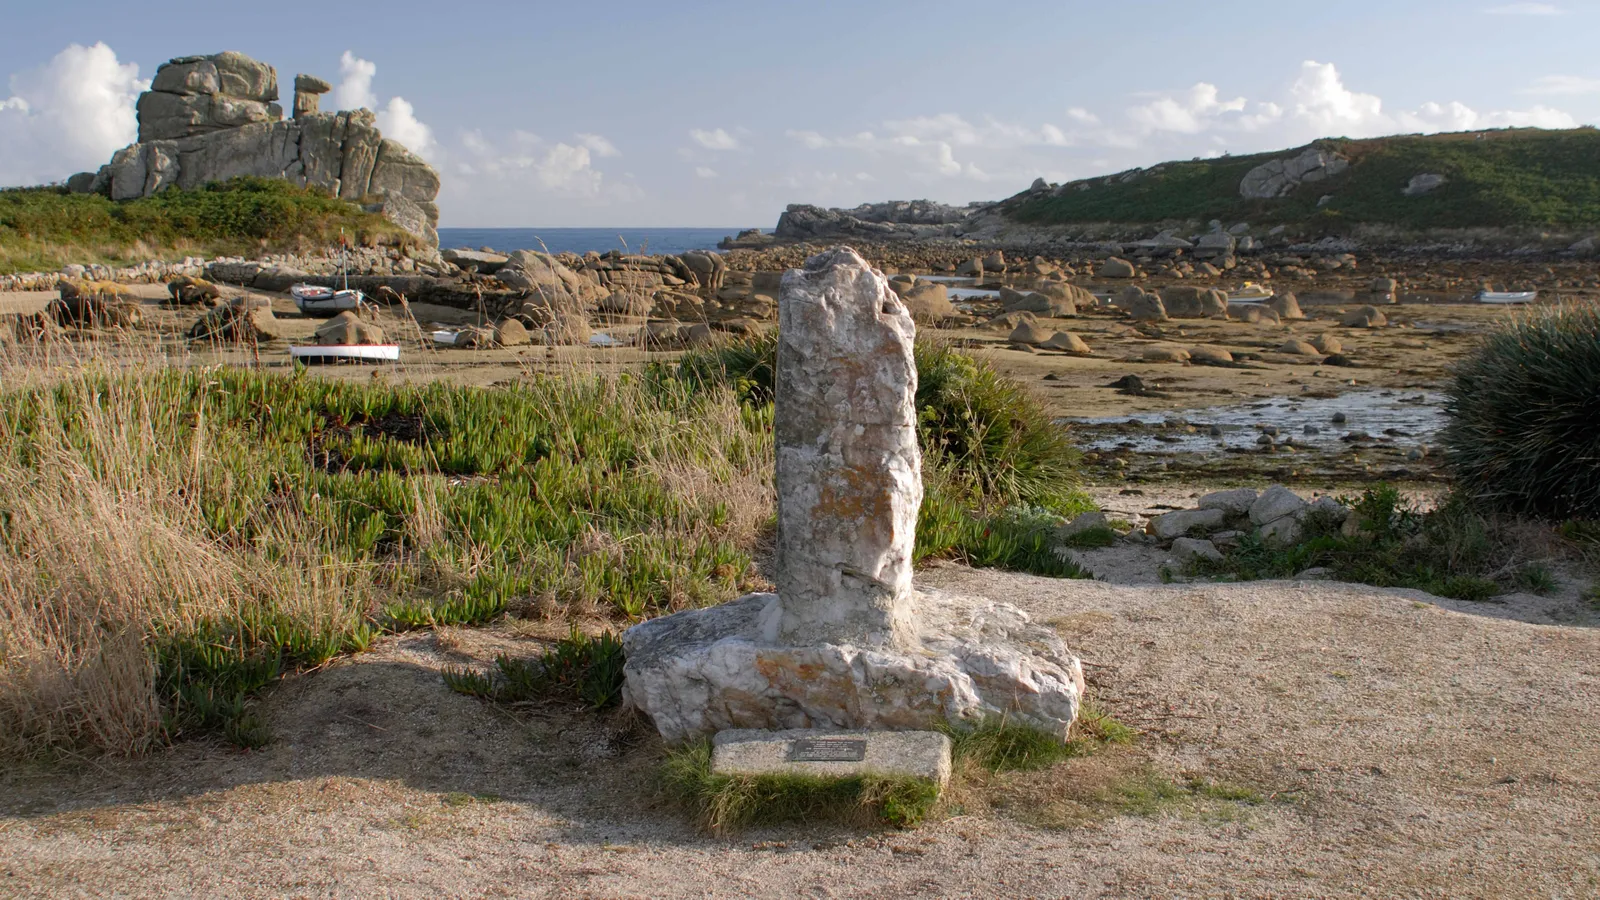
x=832, y=754
x=701, y=671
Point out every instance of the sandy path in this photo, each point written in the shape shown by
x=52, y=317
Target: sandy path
x=1416, y=750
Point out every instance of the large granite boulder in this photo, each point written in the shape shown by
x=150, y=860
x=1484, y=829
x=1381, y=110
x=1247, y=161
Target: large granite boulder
x=212, y=118
x=1279, y=177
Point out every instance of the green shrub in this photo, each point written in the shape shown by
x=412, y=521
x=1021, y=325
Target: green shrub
x=44, y=228
x=1523, y=435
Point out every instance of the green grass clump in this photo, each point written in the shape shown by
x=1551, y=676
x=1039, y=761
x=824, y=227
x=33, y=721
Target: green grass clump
x=44, y=228
x=1523, y=435
x=579, y=669
x=1451, y=551
x=723, y=804
x=1509, y=178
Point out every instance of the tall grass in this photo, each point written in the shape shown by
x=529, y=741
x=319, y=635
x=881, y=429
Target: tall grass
x=175, y=539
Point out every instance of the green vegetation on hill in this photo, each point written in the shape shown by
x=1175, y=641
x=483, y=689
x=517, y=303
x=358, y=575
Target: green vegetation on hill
x=44, y=228
x=1510, y=178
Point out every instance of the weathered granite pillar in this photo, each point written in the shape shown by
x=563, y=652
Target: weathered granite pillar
x=846, y=643
x=849, y=471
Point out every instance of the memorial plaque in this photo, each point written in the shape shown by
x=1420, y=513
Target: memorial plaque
x=827, y=750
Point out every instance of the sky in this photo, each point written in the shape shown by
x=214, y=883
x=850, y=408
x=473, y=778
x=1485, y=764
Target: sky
x=722, y=113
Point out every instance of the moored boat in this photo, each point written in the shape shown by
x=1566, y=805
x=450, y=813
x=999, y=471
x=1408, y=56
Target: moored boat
x=1250, y=293
x=1507, y=296
x=315, y=354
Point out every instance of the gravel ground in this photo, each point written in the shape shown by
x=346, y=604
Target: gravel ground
x=1396, y=745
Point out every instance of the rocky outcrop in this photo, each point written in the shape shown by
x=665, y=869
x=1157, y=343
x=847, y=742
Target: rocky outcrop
x=212, y=118
x=1279, y=177
x=894, y=220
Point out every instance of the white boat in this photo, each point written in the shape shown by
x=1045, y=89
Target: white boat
x=1507, y=296
x=1250, y=293
x=316, y=300
x=313, y=354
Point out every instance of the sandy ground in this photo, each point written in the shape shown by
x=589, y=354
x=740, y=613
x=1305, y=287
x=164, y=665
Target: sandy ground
x=1404, y=746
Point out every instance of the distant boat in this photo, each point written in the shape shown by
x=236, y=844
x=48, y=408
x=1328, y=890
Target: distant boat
x=1250, y=293
x=1507, y=296
x=314, y=354
x=316, y=300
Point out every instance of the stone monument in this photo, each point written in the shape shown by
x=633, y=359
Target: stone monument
x=846, y=642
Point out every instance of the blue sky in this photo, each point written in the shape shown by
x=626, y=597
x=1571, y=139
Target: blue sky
x=719, y=114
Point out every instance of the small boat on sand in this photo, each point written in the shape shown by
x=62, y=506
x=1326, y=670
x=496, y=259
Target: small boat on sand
x=321, y=354
x=316, y=300
x=1250, y=293
x=1507, y=296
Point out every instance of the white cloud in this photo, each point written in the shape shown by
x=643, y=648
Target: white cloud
x=559, y=168
x=68, y=115
x=1187, y=113
x=398, y=120
x=1567, y=85
x=718, y=139
x=1525, y=9
x=598, y=145
x=354, y=89
x=705, y=172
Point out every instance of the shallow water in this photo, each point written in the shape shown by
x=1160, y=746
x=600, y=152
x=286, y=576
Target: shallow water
x=1410, y=418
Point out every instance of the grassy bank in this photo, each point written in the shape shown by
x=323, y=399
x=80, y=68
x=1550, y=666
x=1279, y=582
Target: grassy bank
x=176, y=539
x=1512, y=178
x=42, y=229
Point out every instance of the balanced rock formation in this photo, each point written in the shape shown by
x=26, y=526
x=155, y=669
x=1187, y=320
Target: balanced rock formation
x=212, y=118
x=846, y=642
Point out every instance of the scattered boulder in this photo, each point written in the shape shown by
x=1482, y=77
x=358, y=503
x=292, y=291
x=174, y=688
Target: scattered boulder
x=1191, y=302
x=1010, y=320
x=1286, y=305
x=971, y=268
x=481, y=261
x=1327, y=344
x=348, y=328
x=1029, y=332
x=1174, y=525
x=928, y=301
x=1365, y=317
x=1298, y=348
x=186, y=290
x=566, y=328
x=1116, y=267
x=1423, y=184
x=1210, y=356
x=1187, y=550
x=511, y=333
x=1068, y=342
x=1083, y=522
x=1236, y=502
x=1255, y=314
x=1165, y=354
x=245, y=320
x=94, y=304
x=1275, y=503
x=1146, y=308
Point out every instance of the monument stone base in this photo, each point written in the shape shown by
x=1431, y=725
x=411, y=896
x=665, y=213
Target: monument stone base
x=701, y=671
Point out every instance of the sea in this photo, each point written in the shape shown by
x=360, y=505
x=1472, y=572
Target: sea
x=654, y=241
